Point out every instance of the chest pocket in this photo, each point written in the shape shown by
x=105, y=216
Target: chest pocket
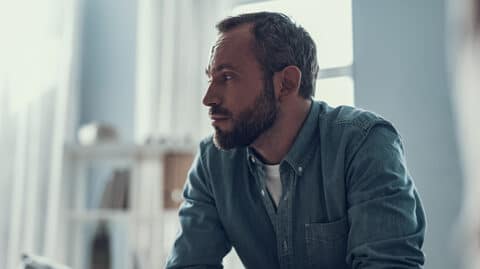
x=326, y=244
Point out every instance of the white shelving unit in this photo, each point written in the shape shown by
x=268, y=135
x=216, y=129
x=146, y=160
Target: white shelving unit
x=145, y=217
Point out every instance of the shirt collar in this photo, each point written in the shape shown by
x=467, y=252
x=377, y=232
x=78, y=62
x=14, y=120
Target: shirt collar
x=303, y=148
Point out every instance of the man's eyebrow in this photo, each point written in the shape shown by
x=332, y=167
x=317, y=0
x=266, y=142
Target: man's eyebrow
x=209, y=71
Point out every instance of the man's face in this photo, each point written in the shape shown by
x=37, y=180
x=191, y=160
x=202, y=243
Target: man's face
x=242, y=104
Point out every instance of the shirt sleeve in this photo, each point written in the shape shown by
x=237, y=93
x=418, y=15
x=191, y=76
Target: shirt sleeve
x=201, y=241
x=387, y=221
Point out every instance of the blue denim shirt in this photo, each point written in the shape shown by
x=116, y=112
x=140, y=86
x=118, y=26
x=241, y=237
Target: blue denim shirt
x=348, y=201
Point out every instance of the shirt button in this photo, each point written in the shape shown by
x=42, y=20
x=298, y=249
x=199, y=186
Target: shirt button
x=285, y=245
x=252, y=159
x=300, y=169
x=263, y=192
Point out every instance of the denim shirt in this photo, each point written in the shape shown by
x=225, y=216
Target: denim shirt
x=348, y=201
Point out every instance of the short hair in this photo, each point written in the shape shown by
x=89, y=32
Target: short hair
x=279, y=42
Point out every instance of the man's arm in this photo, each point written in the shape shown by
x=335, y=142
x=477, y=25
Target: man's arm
x=387, y=221
x=201, y=241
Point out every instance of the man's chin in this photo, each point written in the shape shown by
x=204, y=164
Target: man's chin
x=222, y=141
x=227, y=141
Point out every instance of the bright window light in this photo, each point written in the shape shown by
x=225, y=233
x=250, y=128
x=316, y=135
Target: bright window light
x=30, y=50
x=335, y=91
x=328, y=22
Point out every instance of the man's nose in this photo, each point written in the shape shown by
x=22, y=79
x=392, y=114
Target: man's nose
x=211, y=97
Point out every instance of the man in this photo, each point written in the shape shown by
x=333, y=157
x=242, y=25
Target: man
x=287, y=181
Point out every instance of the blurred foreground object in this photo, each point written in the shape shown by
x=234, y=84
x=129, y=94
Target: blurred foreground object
x=466, y=96
x=30, y=261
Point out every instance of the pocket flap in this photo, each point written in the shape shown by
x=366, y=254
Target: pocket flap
x=327, y=230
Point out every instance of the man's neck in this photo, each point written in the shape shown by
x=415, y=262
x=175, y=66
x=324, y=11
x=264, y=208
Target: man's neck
x=273, y=145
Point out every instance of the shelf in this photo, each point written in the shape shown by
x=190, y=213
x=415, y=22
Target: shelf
x=117, y=151
x=99, y=214
x=112, y=214
x=145, y=221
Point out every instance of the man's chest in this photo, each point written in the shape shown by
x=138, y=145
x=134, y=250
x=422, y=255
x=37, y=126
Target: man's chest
x=304, y=231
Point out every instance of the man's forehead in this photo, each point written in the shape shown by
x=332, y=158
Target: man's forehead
x=239, y=33
x=232, y=45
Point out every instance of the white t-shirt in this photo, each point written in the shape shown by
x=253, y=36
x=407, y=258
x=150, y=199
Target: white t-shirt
x=273, y=182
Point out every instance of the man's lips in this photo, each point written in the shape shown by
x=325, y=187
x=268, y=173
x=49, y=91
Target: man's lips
x=215, y=118
x=218, y=117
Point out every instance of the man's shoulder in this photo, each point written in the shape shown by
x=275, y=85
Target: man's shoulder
x=343, y=129
x=348, y=117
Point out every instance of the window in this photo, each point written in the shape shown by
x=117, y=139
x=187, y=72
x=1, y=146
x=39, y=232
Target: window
x=330, y=25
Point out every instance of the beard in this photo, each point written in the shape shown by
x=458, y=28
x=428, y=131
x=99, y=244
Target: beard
x=250, y=123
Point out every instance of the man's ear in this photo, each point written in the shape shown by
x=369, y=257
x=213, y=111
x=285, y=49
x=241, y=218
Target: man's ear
x=287, y=81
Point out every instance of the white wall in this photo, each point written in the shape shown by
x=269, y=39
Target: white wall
x=107, y=81
x=401, y=73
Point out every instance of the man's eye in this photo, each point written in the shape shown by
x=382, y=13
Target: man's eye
x=227, y=77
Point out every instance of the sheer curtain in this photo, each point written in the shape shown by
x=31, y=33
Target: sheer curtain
x=466, y=97
x=174, y=40
x=36, y=52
